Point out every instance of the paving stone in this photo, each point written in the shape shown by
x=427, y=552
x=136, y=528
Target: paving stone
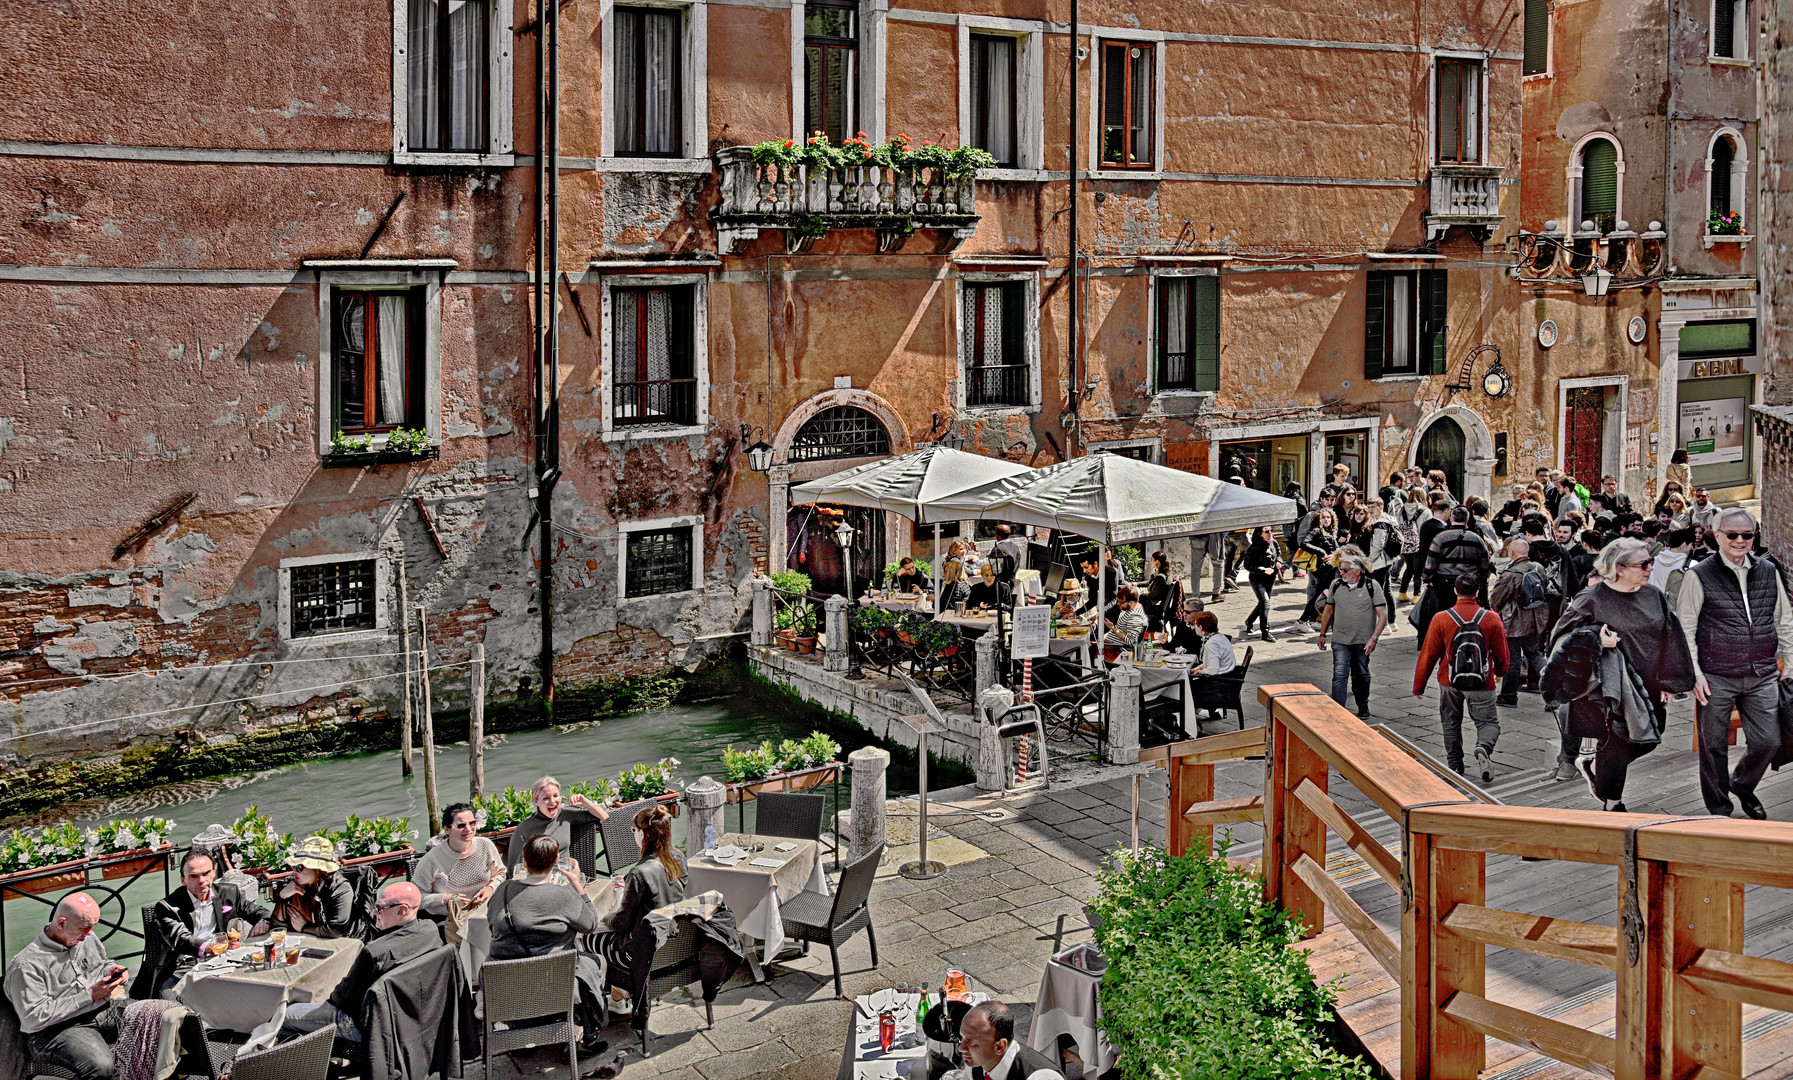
x=1085, y=828
x=773, y=1054
x=1015, y=879
x=1036, y=892
x=978, y=909
x=966, y=933
x=936, y=921
x=926, y=902
x=893, y=933
x=1076, y=798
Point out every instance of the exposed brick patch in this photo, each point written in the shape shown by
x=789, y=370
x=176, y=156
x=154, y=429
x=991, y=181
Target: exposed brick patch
x=624, y=652
x=453, y=633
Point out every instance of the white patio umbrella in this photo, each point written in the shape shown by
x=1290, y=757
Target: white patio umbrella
x=912, y=485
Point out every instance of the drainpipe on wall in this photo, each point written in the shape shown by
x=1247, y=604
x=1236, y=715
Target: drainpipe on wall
x=547, y=335
x=1076, y=397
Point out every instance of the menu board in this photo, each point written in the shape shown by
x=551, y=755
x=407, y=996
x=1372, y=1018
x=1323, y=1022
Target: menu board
x=1033, y=625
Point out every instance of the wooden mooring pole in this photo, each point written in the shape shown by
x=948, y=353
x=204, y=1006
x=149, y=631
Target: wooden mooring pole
x=476, y=726
x=404, y=735
x=429, y=727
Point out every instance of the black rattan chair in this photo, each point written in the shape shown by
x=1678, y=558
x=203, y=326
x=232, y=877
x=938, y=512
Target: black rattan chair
x=1224, y=692
x=304, y=1058
x=584, y=849
x=832, y=920
x=796, y=815
x=152, y=941
x=539, y=988
x=620, y=849
x=15, y=1052
x=675, y=964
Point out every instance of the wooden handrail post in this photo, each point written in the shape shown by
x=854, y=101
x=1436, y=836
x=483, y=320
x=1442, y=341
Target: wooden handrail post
x=1701, y=913
x=1291, y=829
x=1188, y=784
x=1436, y=963
x=1637, y=996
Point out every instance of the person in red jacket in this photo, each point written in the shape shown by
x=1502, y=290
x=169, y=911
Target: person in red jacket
x=1436, y=651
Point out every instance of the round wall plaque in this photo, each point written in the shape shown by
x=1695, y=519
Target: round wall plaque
x=1547, y=333
x=1636, y=329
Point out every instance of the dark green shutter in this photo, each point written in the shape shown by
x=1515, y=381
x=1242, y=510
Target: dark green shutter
x=1375, y=306
x=1537, y=37
x=1599, y=181
x=1434, y=304
x=1724, y=28
x=1721, y=176
x=1204, y=333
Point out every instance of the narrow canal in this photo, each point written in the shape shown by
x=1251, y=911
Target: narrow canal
x=312, y=796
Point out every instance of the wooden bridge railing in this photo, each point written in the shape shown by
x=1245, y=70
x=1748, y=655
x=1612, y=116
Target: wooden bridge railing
x=1681, y=977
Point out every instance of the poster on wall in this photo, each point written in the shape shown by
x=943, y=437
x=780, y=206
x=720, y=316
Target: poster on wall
x=1712, y=431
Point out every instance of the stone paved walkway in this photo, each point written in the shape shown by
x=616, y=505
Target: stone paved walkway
x=1000, y=915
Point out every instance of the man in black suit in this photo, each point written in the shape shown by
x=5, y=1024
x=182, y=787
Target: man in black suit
x=190, y=915
x=987, y=1038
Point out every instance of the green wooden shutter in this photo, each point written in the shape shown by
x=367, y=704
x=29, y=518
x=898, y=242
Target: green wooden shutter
x=1724, y=28
x=1375, y=312
x=1599, y=181
x=1434, y=304
x=1537, y=37
x=1204, y=333
x=1721, y=177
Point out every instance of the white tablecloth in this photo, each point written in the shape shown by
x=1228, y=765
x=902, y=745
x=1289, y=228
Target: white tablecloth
x=754, y=893
x=1164, y=679
x=240, y=999
x=1068, y=1005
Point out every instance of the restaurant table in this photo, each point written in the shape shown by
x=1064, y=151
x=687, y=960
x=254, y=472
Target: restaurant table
x=864, y=1058
x=1158, y=680
x=476, y=931
x=1068, y=1005
x=899, y=603
x=973, y=625
x=239, y=998
x=754, y=893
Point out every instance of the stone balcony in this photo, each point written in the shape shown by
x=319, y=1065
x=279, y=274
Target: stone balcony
x=803, y=203
x=1464, y=195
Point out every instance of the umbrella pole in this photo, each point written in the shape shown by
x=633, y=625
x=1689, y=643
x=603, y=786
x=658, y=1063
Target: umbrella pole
x=939, y=570
x=1100, y=631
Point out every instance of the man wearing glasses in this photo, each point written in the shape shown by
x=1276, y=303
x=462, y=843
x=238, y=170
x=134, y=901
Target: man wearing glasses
x=1736, y=617
x=399, y=936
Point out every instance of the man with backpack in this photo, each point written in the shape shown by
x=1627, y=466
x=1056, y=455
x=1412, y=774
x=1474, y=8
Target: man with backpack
x=1521, y=596
x=1468, y=645
x=1455, y=550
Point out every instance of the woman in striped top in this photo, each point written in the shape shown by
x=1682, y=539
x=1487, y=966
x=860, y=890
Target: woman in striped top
x=466, y=864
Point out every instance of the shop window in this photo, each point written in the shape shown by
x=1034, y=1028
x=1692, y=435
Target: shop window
x=376, y=360
x=1537, y=37
x=831, y=68
x=649, y=96
x=1129, y=96
x=997, y=344
x=992, y=88
x=1189, y=333
x=1458, y=122
x=1404, y=322
x=657, y=561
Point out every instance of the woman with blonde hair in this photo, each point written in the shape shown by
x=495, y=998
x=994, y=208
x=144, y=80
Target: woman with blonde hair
x=953, y=586
x=553, y=818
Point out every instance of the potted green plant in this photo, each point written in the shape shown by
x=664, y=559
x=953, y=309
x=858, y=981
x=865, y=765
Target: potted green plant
x=936, y=639
x=871, y=621
x=128, y=847
x=657, y=781
x=784, y=624
x=259, y=848
x=1729, y=223
x=363, y=840
x=498, y=813
x=747, y=766
x=804, y=630
x=50, y=860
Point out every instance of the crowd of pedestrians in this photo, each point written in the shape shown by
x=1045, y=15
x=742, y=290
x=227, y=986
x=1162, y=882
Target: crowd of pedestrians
x=1567, y=591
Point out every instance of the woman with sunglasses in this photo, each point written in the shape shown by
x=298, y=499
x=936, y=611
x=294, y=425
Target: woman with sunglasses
x=1635, y=617
x=463, y=865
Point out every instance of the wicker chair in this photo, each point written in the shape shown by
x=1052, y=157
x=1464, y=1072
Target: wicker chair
x=620, y=849
x=152, y=941
x=584, y=849
x=304, y=1058
x=796, y=815
x=675, y=964
x=1224, y=692
x=811, y=916
x=533, y=988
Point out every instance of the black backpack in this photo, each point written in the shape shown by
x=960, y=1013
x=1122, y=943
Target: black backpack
x=1469, y=653
x=1391, y=542
x=1533, y=593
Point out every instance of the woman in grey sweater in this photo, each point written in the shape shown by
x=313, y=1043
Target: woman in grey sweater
x=540, y=912
x=553, y=819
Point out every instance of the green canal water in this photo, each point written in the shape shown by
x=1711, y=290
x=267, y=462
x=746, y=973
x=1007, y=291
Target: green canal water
x=314, y=795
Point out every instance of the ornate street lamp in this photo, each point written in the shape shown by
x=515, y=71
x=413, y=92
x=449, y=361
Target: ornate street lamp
x=843, y=535
x=761, y=453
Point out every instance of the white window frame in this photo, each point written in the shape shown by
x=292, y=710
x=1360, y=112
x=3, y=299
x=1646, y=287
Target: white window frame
x=1030, y=340
x=1432, y=105
x=1572, y=179
x=700, y=359
x=1155, y=445
x=1030, y=81
x=499, y=148
x=392, y=280
x=382, y=598
x=1156, y=275
x=1739, y=173
x=694, y=97
x=873, y=35
x=1156, y=38
x=623, y=528
x=1740, y=35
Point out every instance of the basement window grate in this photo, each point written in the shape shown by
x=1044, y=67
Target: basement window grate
x=330, y=598
x=659, y=561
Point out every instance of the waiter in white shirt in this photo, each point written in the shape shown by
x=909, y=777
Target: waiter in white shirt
x=987, y=1039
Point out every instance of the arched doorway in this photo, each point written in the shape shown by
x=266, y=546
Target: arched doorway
x=836, y=433
x=1441, y=447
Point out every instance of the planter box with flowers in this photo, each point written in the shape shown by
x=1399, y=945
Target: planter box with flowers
x=259, y=849
x=793, y=766
x=61, y=856
x=807, y=190
x=643, y=781
x=1725, y=229
x=399, y=446
x=383, y=843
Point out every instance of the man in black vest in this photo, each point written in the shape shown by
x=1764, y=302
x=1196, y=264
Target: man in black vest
x=190, y=916
x=987, y=1038
x=1735, y=613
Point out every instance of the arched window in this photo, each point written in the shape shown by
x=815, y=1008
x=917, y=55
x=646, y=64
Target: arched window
x=1724, y=153
x=1599, y=194
x=840, y=432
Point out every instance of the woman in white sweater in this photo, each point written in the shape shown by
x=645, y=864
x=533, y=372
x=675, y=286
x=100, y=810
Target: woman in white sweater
x=465, y=864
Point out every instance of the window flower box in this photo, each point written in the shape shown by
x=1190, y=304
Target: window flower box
x=365, y=459
x=126, y=864
x=1710, y=240
x=45, y=879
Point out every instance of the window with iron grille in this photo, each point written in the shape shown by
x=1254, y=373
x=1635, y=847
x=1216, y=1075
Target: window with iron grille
x=652, y=358
x=992, y=88
x=840, y=432
x=831, y=67
x=332, y=597
x=1189, y=333
x=658, y=561
x=995, y=332
x=1537, y=37
x=1129, y=92
x=447, y=104
x=377, y=359
x=649, y=102
x=1459, y=119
